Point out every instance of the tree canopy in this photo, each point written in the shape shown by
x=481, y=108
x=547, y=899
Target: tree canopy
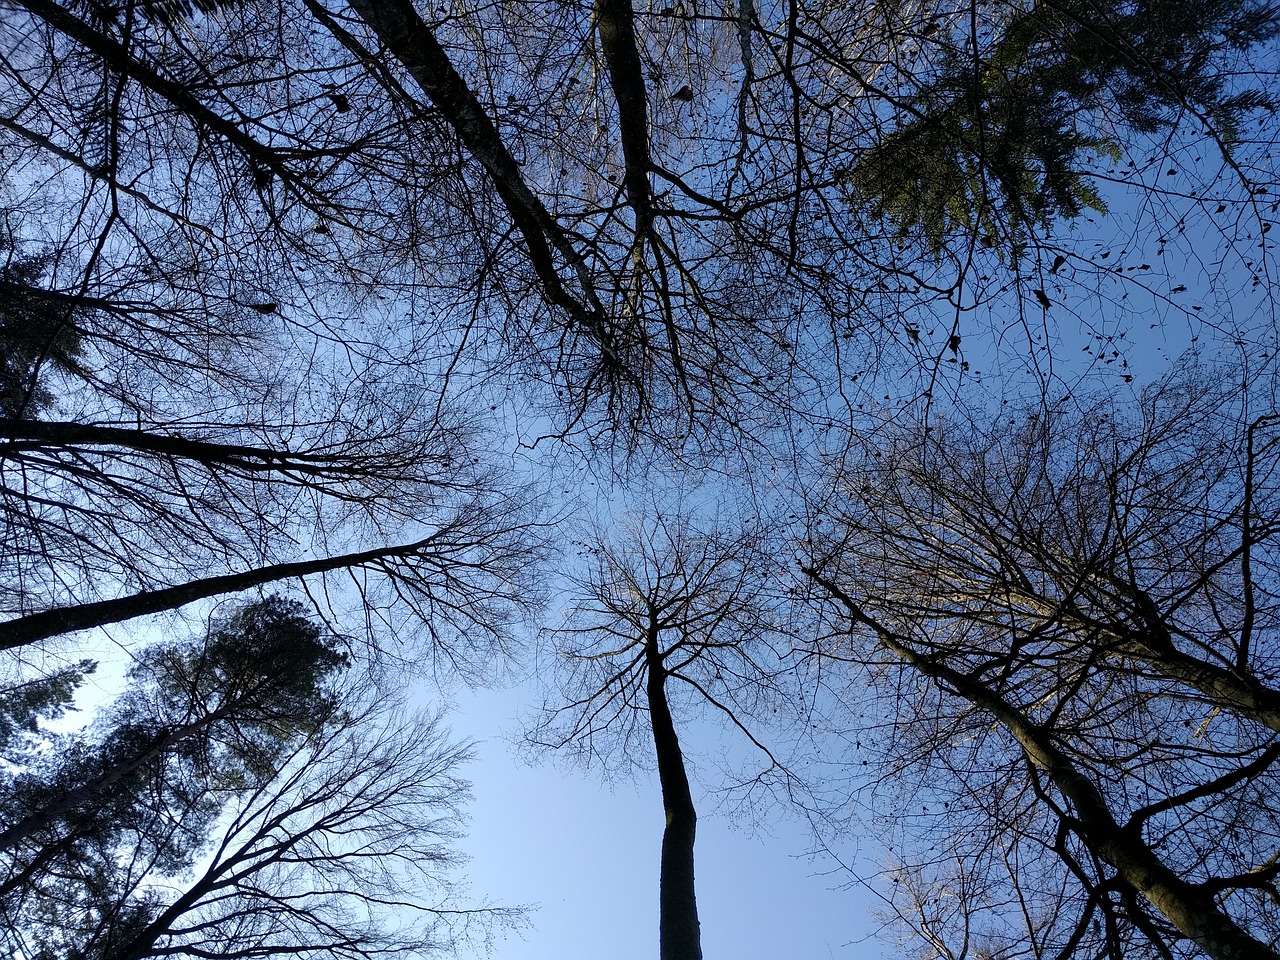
x=1088, y=597
x=321, y=321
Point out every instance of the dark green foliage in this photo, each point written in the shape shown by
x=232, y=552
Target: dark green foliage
x=138, y=793
x=24, y=705
x=267, y=664
x=997, y=168
x=108, y=934
x=36, y=328
x=996, y=142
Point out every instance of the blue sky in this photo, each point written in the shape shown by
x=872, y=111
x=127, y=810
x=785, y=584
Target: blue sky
x=583, y=853
x=586, y=854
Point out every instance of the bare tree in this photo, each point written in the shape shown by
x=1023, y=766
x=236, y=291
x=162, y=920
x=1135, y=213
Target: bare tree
x=670, y=622
x=255, y=251
x=189, y=409
x=675, y=217
x=344, y=848
x=1077, y=611
x=226, y=478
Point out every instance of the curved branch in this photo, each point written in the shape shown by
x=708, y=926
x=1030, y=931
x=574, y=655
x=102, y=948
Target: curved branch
x=1190, y=907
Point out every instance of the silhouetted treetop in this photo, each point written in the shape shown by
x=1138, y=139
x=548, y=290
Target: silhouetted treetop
x=995, y=138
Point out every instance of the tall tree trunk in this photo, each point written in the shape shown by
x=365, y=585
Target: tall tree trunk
x=615, y=21
x=678, y=931
x=1190, y=907
x=59, y=620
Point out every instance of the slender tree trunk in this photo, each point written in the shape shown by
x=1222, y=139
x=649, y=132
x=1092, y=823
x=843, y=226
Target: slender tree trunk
x=60, y=620
x=1188, y=906
x=678, y=931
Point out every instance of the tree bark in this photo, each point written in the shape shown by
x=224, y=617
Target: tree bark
x=1234, y=689
x=679, y=935
x=1188, y=906
x=1239, y=692
x=615, y=22
x=47, y=434
x=51, y=623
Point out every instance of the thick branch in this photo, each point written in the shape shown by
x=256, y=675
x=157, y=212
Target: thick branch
x=1242, y=694
x=1153, y=645
x=118, y=58
x=411, y=41
x=60, y=620
x=40, y=434
x=1189, y=907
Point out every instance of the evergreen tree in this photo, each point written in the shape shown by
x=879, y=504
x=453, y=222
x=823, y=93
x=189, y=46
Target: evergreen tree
x=202, y=719
x=24, y=704
x=36, y=329
x=997, y=140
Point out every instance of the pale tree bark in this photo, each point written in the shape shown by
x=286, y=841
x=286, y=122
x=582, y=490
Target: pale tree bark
x=1192, y=908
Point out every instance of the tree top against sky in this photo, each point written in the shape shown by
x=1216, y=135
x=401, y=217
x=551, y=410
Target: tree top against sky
x=335, y=294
